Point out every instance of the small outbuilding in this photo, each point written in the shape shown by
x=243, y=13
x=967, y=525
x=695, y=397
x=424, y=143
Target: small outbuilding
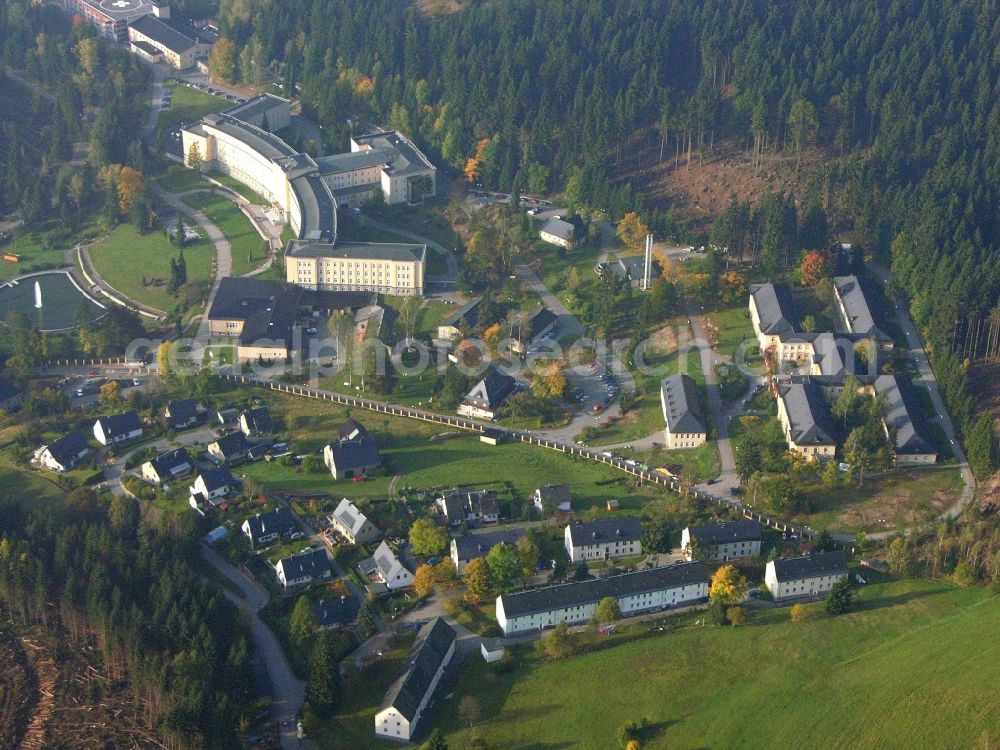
x=492, y=650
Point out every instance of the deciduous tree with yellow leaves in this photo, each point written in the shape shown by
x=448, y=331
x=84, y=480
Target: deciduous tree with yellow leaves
x=728, y=587
x=631, y=229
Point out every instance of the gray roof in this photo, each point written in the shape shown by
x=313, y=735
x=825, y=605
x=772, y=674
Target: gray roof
x=348, y=514
x=258, y=105
x=397, y=251
x=351, y=430
x=472, y=546
x=775, y=308
x=170, y=461
x=680, y=404
x=267, y=308
x=810, y=566
x=623, y=529
x=538, y=321
x=317, y=207
x=119, y=425
x=146, y=47
x=593, y=590
x=459, y=503
x=258, y=419
x=163, y=33
x=492, y=390
x=432, y=646
x=897, y=415
x=182, y=409
x=310, y=562
x=404, y=158
x=727, y=533
x=808, y=415
x=352, y=160
x=635, y=267
x=386, y=561
x=264, y=143
x=558, y=228
x=858, y=306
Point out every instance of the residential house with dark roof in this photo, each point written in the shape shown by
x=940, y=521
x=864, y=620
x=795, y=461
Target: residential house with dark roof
x=805, y=421
x=487, y=396
x=211, y=487
x=552, y=497
x=354, y=525
x=463, y=320
x=406, y=701
x=118, y=428
x=339, y=612
x=167, y=466
x=538, y=323
x=63, y=454
x=734, y=540
x=256, y=422
x=573, y=603
x=900, y=419
x=355, y=454
x=772, y=313
x=303, y=568
x=473, y=507
x=684, y=421
x=181, y=415
x=603, y=539
x=385, y=568
x=469, y=547
x=268, y=527
x=808, y=575
x=230, y=448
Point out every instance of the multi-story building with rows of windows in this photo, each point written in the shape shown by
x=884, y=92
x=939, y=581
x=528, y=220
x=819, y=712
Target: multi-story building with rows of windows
x=356, y=266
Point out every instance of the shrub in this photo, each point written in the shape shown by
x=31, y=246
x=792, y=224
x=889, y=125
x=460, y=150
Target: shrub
x=800, y=613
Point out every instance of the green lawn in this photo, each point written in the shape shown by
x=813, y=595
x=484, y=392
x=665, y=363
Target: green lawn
x=179, y=179
x=125, y=257
x=187, y=104
x=915, y=666
x=235, y=185
x=896, y=499
x=646, y=416
x=705, y=459
x=728, y=327
x=248, y=248
x=406, y=451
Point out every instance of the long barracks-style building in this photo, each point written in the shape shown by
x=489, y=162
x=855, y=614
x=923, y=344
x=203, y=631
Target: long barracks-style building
x=241, y=142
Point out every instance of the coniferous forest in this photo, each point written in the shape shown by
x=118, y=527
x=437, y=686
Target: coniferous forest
x=904, y=97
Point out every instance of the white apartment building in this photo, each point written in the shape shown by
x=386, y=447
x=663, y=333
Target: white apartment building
x=808, y=575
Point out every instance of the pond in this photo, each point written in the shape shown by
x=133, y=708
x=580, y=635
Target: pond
x=61, y=300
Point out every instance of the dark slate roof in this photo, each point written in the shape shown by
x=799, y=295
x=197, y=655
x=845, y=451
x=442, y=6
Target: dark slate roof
x=280, y=520
x=810, y=566
x=68, y=447
x=624, y=529
x=471, y=546
x=859, y=305
x=403, y=158
x=257, y=105
x=258, y=419
x=216, y=478
x=407, y=692
x=808, y=414
x=900, y=415
x=593, y=590
x=327, y=299
x=397, y=251
x=469, y=312
x=267, y=308
x=167, y=462
x=458, y=503
x=232, y=444
x=117, y=425
x=163, y=33
x=310, y=562
x=342, y=611
x=727, y=533
x=351, y=430
x=492, y=390
x=355, y=454
x=539, y=320
x=634, y=266
x=556, y=493
x=183, y=410
x=775, y=308
x=681, y=407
